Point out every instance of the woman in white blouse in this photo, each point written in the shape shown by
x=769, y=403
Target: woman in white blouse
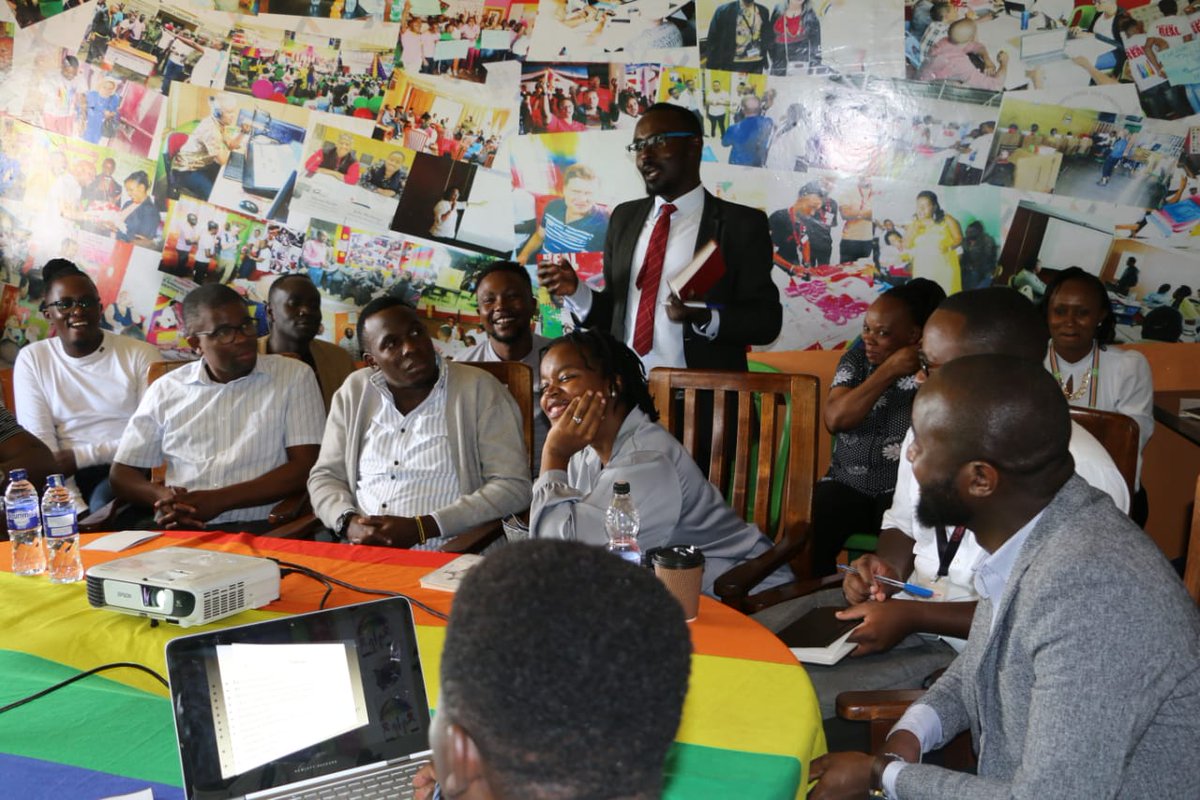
x=1091, y=372
x=603, y=430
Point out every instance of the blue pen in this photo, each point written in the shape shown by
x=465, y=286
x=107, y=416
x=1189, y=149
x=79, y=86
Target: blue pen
x=911, y=588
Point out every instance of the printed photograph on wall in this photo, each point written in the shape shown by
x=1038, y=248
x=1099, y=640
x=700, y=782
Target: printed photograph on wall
x=571, y=98
x=349, y=179
x=462, y=121
x=1082, y=152
x=925, y=133
x=460, y=38
x=211, y=244
x=621, y=30
x=311, y=70
x=230, y=150
x=457, y=203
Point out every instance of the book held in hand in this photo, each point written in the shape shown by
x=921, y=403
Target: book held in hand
x=448, y=577
x=819, y=637
x=702, y=273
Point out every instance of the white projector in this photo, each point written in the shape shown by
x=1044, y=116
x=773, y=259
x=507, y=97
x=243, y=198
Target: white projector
x=183, y=585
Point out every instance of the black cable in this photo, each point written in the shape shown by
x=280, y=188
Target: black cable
x=329, y=579
x=81, y=676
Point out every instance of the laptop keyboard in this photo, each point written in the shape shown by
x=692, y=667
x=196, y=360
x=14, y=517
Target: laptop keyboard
x=394, y=782
x=236, y=166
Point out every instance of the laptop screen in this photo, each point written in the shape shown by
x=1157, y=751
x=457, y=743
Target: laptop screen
x=269, y=704
x=1043, y=43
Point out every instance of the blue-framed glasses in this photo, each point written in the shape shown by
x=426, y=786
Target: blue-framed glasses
x=656, y=141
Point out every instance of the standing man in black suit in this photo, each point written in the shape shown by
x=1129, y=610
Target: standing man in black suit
x=657, y=237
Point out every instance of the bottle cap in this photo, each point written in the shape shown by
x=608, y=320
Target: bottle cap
x=56, y=482
x=679, y=557
x=621, y=487
x=17, y=475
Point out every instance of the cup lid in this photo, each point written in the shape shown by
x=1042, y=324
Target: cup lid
x=679, y=557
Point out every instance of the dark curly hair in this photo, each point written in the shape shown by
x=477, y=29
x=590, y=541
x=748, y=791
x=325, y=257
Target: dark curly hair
x=613, y=359
x=580, y=693
x=1106, y=331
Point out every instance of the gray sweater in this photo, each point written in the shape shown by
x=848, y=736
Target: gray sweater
x=486, y=442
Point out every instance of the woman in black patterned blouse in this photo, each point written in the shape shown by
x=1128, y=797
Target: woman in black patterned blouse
x=868, y=412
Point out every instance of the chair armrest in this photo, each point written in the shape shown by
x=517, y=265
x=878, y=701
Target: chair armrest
x=290, y=508
x=876, y=706
x=475, y=540
x=304, y=526
x=734, y=586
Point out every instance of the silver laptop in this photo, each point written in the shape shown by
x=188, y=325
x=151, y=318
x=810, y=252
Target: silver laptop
x=326, y=704
x=1043, y=47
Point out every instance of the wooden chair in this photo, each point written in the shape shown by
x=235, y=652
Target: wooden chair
x=763, y=444
x=6, y=384
x=518, y=379
x=1119, y=435
x=1191, y=574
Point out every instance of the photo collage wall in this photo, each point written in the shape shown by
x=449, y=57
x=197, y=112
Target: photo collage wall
x=399, y=146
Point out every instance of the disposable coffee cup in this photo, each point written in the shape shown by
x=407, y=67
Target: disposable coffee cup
x=681, y=568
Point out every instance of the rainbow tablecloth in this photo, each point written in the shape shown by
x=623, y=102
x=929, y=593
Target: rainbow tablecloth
x=750, y=723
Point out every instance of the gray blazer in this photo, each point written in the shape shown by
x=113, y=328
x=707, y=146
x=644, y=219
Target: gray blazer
x=1089, y=684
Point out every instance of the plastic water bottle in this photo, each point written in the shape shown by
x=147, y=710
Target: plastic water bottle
x=24, y=525
x=622, y=524
x=62, y=532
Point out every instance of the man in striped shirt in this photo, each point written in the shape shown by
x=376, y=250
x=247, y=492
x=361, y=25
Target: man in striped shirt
x=238, y=431
x=416, y=449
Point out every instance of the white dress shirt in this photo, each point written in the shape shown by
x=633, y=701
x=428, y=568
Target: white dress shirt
x=1125, y=387
x=214, y=435
x=405, y=468
x=667, y=347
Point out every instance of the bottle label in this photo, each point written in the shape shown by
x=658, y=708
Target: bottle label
x=59, y=526
x=21, y=518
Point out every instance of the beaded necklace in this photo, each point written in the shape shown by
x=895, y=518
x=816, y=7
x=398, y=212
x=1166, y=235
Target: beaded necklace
x=1091, y=379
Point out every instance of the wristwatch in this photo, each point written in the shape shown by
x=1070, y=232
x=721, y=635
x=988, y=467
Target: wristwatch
x=877, y=767
x=343, y=522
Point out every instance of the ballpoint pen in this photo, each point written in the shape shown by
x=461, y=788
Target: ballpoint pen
x=911, y=588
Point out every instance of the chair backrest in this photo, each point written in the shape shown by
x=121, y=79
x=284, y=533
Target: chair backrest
x=6, y=384
x=156, y=370
x=763, y=437
x=1119, y=435
x=518, y=379
x=1191, y=575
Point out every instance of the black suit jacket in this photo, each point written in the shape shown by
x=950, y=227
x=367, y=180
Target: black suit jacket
x=747, y=299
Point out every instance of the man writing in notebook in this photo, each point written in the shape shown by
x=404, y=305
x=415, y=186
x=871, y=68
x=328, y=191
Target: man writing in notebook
x=1081, y=675
x=652, y=240
x=901, y=641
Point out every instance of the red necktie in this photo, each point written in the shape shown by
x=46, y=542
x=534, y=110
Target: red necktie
x=648, y=280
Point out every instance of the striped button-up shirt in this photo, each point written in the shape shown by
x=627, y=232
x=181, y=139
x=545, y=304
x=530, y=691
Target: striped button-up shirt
x=213, y=434
x=406, y=468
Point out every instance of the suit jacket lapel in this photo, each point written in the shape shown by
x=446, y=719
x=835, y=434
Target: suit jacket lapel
x=623, y=258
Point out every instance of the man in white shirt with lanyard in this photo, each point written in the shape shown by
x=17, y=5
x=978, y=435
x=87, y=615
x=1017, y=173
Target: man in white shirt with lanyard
x=1081, y=676
x=653, y=239
x=902, y=640
x=238, y=431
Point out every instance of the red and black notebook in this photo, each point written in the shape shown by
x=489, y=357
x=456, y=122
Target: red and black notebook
x=702, y=273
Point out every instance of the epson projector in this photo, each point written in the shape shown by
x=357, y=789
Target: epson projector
x=183, y=585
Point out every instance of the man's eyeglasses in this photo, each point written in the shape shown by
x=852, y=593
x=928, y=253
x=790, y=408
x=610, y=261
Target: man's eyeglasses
x=656, y=141
x=226, y=334
x=68, y=303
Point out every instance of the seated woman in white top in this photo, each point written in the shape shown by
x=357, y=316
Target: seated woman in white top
x=77, y=390
x=1091, y=373
x=603, y=430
